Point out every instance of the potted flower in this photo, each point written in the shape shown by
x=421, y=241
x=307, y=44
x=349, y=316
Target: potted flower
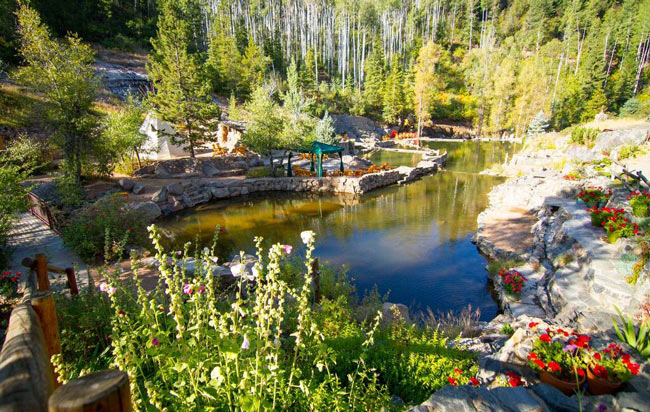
x=600, y=214
x=619, y=226
x=640, y=203
x=513, y=282
x=557, y=356
x=608, y=369
x=594, y=196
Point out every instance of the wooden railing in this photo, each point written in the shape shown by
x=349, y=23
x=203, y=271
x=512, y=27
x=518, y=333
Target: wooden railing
x=27, y=377
x=42, y=211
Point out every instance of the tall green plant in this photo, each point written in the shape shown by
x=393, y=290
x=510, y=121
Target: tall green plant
x=627, y=333
x=185, y=348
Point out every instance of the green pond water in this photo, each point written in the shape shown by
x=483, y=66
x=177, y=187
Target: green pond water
x=412, y=240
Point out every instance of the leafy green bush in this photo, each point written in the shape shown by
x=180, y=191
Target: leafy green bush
x=13, y=199
x=70, y=193
x=96, y=229
x=629, y=151
x=584, y=136
x=85, y=334
x=191, y=346
x=28, y=155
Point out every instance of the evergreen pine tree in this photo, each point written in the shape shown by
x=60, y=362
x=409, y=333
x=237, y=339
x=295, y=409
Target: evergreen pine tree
x=594, y=105
x=325, y=132
x=225, y=62
x=394, y=95
x=182, y=94
x=375, y=78
x=539, y=124
x=254, y=64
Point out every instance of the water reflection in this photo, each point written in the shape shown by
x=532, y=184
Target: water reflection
x=413, y=240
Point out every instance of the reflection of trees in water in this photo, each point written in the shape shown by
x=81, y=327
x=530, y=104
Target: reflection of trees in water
x=443, y=206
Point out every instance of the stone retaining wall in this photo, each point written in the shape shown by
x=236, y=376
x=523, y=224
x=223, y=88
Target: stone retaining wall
x=177, y=196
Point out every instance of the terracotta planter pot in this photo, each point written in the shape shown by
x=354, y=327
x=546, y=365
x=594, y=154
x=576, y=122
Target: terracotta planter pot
x=599, y=386
x=568, y=388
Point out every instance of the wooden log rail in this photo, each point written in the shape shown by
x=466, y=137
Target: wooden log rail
x=41, y=267
x=27, y=377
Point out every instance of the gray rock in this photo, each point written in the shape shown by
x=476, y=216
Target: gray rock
x=150, y=209
x=554, y=399
x=208, y=170
x=126, y=184
x=175, y=189
x=138, y=188
x=629, y=136
x=634, y=401
x=219, y=192
x=161, y=171
x=462, y=398
x=160, y=195
x=388, y=311
x=517, y=399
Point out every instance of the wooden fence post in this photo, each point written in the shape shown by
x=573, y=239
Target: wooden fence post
x=316, y=281
x=43, y=304
x=41, y=272
x=101, y=391
x=72, y=281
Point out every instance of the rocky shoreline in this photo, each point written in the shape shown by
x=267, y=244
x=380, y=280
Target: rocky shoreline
x=575, y=282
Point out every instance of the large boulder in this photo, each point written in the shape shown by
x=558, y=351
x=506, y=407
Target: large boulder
x=161, y=171
x=160, y=195
x=137, y=188
x=631, y=136
x=176, y=189
x=126, y=184
x=150, y=209
x=208, y=170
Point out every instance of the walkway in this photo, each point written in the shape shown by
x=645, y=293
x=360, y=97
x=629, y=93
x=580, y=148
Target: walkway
x=29, y=237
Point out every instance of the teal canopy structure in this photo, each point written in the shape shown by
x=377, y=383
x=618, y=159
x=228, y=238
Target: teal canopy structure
x=319, y=149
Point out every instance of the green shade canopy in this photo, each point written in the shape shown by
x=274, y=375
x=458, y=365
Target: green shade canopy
x=319, y=148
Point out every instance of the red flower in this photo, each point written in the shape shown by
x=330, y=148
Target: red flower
x=458, y=371
x=452, y=381
x=474, y=381
x=633, y=368
x=532, y=355
x=554, y=366
x=513, y=379
x=581, y=372
x=597, y=356
x=540, y=364
x=545, y=338
x=600, y=371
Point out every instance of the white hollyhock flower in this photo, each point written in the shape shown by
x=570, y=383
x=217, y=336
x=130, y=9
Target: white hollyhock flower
x=306, y=236
x=245, y=344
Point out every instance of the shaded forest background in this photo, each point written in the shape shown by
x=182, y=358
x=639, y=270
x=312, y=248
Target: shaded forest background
x=494, y=64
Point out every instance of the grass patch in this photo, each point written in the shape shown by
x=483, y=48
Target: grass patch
x=494, y=266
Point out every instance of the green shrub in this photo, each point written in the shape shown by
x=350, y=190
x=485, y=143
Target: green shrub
x=627, y=152
x=70, y=193
x=28, y=155
x=13, y=199
x=507, y=330
x=258, y=172
x=584, y=136
x=85, y=332
x=95, y=230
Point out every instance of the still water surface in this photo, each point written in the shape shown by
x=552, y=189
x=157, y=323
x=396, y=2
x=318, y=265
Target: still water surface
x=413, y=240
